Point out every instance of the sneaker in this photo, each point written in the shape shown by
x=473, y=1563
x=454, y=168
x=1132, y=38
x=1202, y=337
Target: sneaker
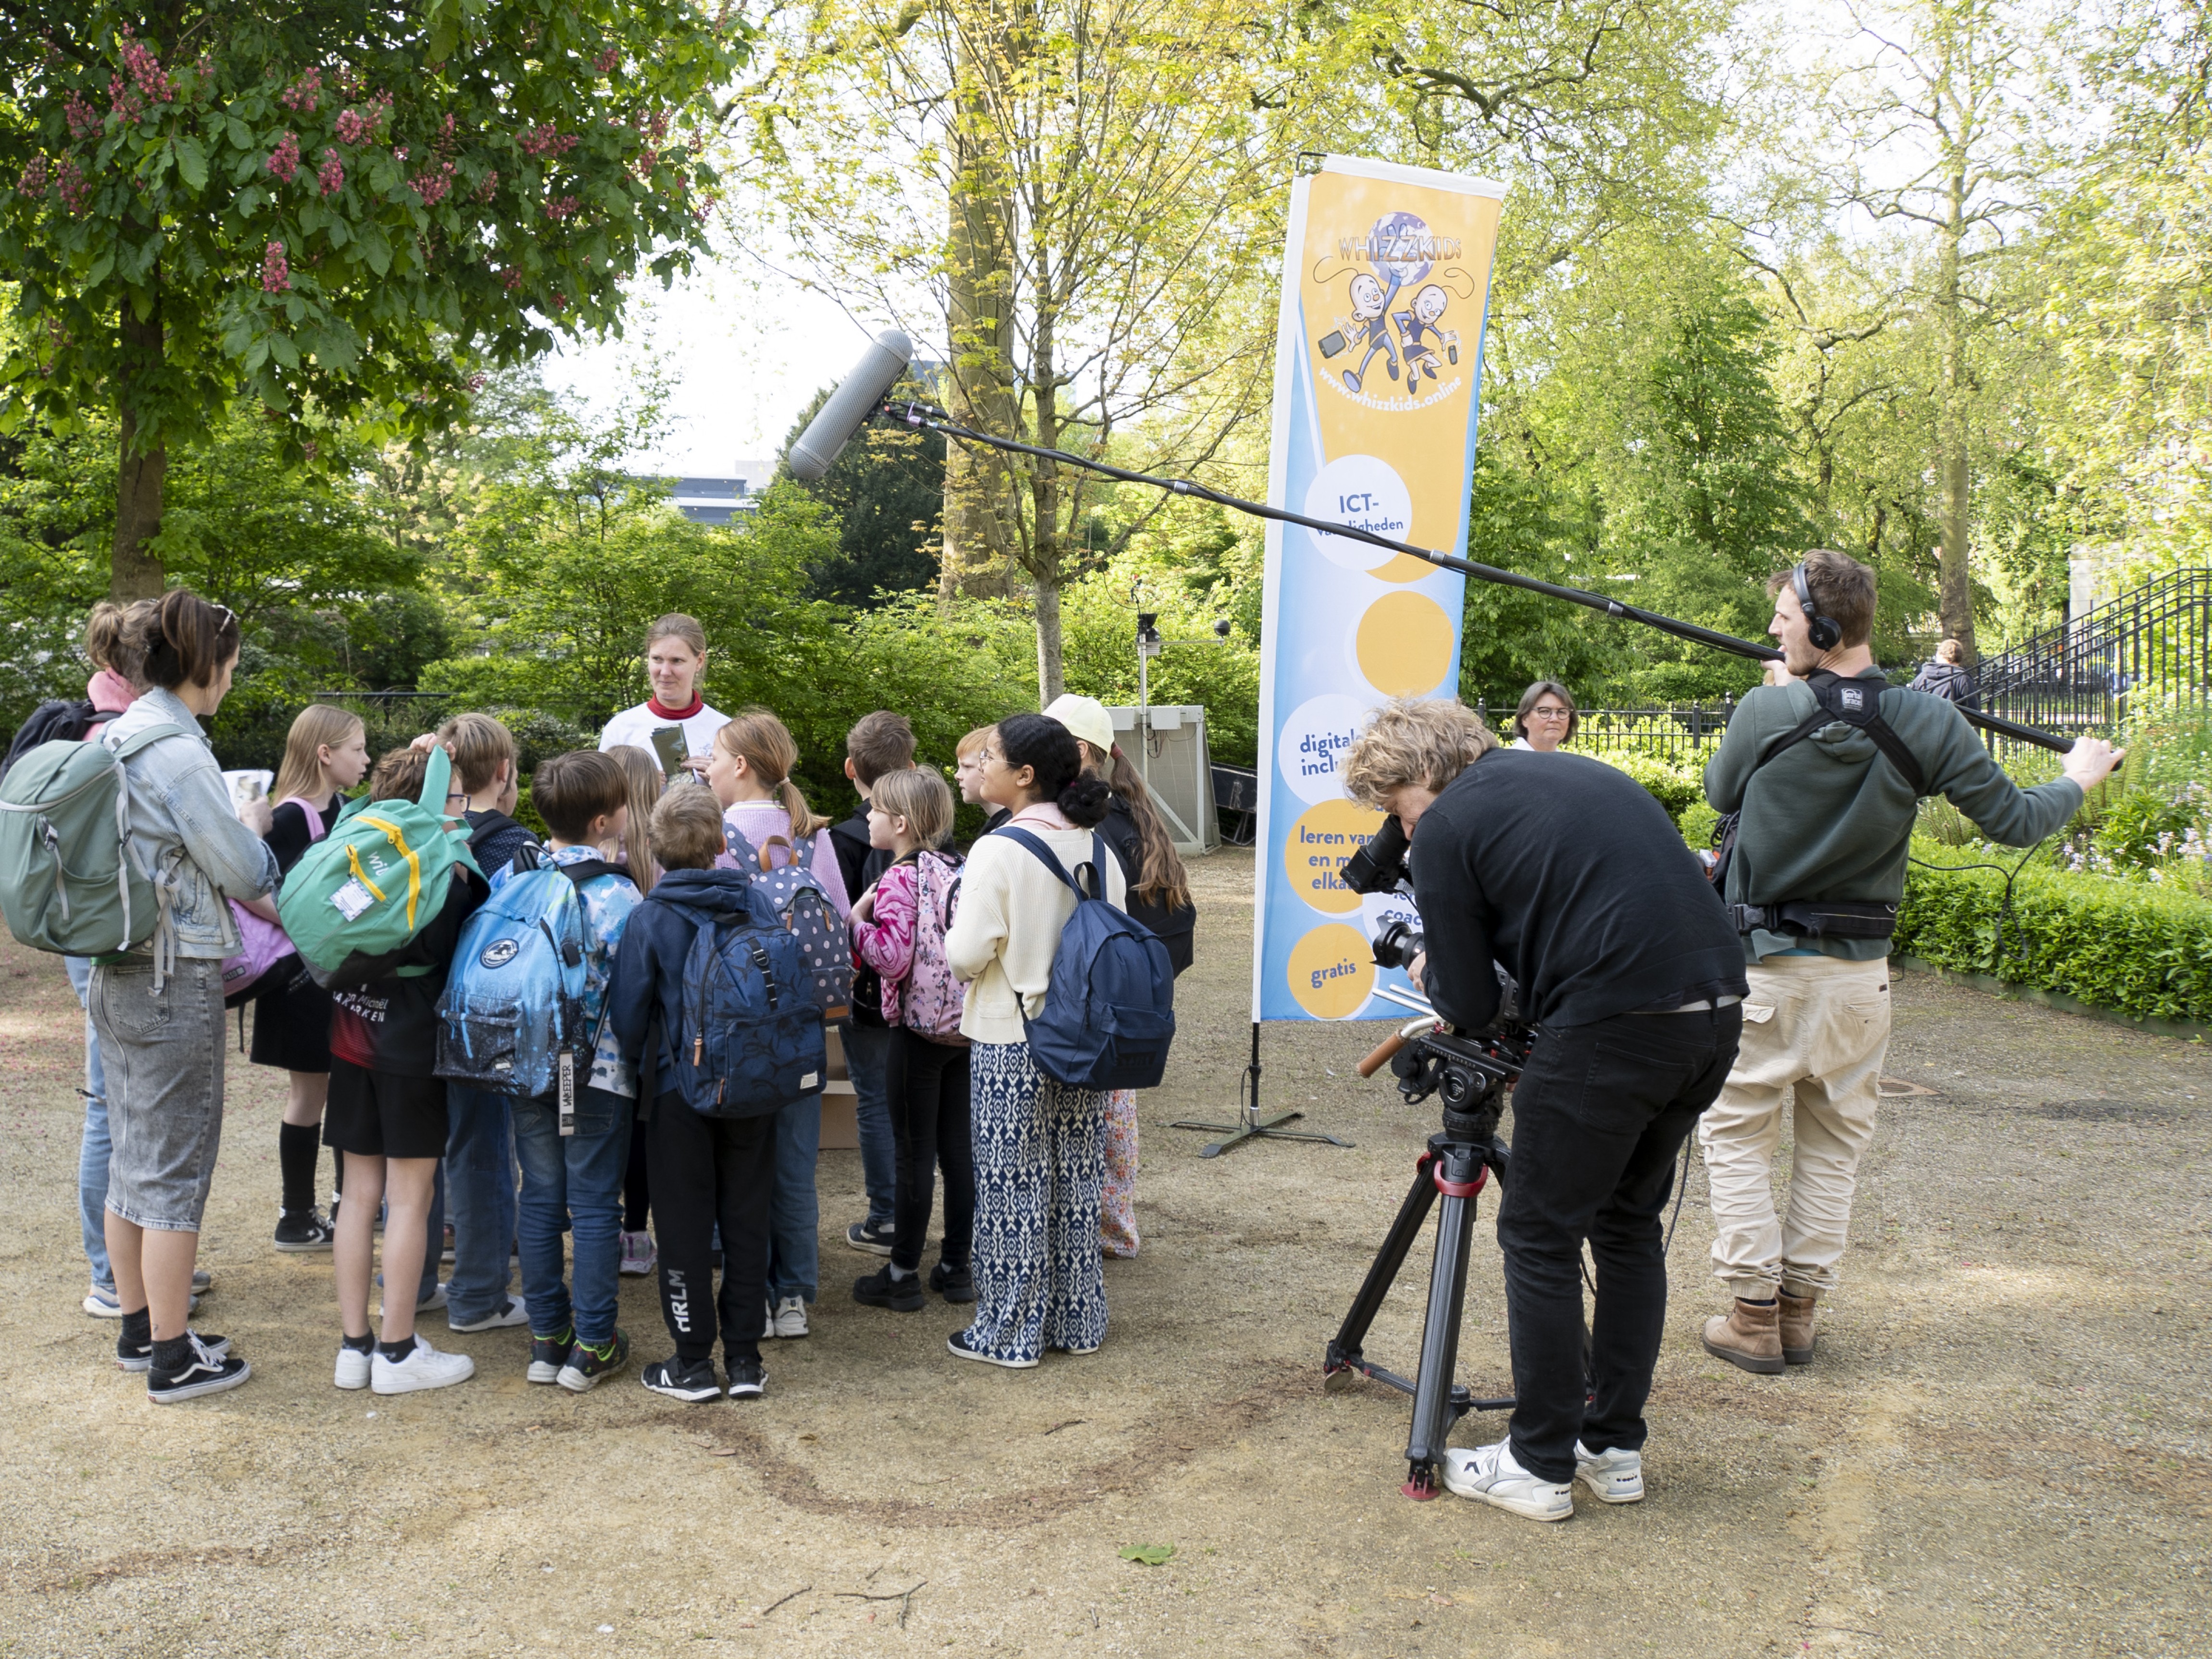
x=203, y=1372
x=587, y=1366
x=1613, y=1476
x=434, y=1300
x=692, y=1381
x=748, y=1379
x=957, y=1346
x=1491, y=1474
x=104, y=1304
x=548, y=1354
x=790, y=1316
x=303, y=1230
x=140, y=1360
x=424, y=1368
x=880, y=1289
x=203, y=1281
x=516, y=1312
x=639, y=1255
x=873, y=1236
x=353, y=1369
x=953, y=1283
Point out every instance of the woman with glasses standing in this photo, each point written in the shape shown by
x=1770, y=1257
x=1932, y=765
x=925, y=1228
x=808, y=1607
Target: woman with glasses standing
x=1546, y=718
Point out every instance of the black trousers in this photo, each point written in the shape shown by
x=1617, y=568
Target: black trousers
x=926, y=1083
x=708, y=1171
x=1598, y=1117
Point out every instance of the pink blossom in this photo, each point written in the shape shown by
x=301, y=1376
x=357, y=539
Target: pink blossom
x=122, y=100
x=75, y=188
x=284, y=161
x=560, y=207
x=444, y=144
x=431, y=187
x=490, y=184
x=304, y=94
x=33, y=181
x=510, y=279
x=146, y=70
x=357, y=127
x=475, y=383
x=332, y=174
x=275, y=274
x=82, y=116
x=399, y=152
x=547, y=140
x=608, y=61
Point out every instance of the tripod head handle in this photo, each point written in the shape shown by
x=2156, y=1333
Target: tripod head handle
x=1380, y=1056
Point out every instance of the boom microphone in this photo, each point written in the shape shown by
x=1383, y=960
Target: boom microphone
x=857, y=396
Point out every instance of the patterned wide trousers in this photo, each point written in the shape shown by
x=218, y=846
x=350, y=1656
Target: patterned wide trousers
x=1039, y=1172
x=1117, y=1230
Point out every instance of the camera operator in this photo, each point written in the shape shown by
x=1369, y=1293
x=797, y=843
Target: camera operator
x=1828, y=771
x=1567, y=874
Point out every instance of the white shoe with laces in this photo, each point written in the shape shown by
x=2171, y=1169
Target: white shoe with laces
x=790, y=1316
x=1613, y=1476
x=1492, y=1475
x=424, y=1368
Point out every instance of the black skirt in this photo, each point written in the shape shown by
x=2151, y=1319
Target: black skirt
x=292, y=1022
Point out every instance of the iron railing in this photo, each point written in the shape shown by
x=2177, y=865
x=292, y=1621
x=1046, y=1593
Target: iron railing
x=2079, y=677
x=1685, y=735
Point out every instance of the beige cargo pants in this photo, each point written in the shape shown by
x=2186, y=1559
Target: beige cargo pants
x=1817, y=1027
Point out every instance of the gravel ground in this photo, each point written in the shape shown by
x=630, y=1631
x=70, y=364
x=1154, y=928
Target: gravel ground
x=2005, y=1446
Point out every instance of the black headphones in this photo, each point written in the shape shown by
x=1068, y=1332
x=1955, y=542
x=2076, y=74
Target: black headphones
x=1824, y=632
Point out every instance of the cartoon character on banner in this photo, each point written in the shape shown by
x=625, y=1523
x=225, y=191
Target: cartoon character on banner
x=1399, y=248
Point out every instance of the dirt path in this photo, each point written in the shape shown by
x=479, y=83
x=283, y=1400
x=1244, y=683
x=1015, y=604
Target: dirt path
x=2005, y=1447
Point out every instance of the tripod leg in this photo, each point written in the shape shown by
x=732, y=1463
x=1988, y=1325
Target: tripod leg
x=1352, y=1335
x=1432, y=1413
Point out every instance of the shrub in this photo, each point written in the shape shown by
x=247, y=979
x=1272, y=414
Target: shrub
x=2140, y=950
x=1676, y=791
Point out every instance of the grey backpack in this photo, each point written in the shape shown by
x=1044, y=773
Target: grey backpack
x=70, y=881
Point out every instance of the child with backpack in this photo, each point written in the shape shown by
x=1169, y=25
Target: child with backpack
x=573, y=1141
x=326, y=754
x=645, y=787
x=879, y=743
x=386, y=1113
x=707, y=1008
x=898, y=929
x=480, y=1168
x=767, y=824
x=1039, y=1144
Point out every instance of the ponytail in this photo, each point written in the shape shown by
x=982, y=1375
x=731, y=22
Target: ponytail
x=764, y=743
x=178, y=640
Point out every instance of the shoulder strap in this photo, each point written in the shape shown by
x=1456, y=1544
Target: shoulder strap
x=1864, y=712
x=1044, y=853
x=584, y=870
x=313, y=813
x=144, y=739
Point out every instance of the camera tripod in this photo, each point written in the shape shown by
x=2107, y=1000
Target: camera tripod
x=1472, y=1077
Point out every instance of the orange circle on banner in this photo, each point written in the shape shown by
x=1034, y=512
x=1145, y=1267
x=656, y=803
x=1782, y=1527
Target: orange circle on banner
x=1402, y=568
x=1324, y=835
x=1332, y=971
x=1404, y=644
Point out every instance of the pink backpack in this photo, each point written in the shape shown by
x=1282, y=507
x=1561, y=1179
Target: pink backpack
x=931, y=1000
x=262, y=944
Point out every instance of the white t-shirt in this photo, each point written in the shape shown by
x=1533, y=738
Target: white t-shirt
x=635, y=726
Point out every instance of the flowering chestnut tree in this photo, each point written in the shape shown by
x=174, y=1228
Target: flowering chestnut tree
x=341, y=208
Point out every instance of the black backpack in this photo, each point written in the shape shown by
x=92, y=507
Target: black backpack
x=58, y=719
x=1854, y=702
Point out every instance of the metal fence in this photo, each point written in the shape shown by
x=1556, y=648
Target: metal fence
x=1685, y=735
x=2154, y=640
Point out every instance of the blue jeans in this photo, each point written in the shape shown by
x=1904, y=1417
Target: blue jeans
x=480, y=1183
x=867, y=1053
x=576, y=1179
x=93, y=1150
x=794, y=1245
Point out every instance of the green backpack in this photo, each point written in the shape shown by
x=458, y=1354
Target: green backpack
x=380, y=875
x=71, y=880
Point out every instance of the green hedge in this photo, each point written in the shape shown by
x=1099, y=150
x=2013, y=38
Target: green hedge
x=2142, y=950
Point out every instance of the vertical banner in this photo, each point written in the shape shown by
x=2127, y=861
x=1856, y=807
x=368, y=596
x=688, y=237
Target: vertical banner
x=1378, y=360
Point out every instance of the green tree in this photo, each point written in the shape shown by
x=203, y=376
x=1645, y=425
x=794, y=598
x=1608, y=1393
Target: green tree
x=887, y=489
x=335, y=209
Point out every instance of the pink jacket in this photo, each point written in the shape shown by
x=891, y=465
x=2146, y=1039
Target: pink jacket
x=886, y=944
x=110, y=694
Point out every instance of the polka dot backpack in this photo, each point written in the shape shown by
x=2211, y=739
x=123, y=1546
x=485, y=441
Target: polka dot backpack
x=800, y=899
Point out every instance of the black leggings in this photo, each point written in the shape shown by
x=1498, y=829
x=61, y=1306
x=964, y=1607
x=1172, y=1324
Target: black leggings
x=925, y=1085
x=637, y=1183
x=707, y=1170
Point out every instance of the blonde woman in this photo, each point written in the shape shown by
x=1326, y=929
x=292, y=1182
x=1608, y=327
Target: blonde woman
x=675, y=666
x=639, y=1255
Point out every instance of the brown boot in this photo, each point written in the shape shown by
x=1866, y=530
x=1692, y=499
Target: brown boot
x=1798, y=1313
x=1748, y=1335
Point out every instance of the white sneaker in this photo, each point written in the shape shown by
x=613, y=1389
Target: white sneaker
x=1492, y=1475
x=639, y=1255
x=517, y=1312
x=768, y=1328
x=1615, y=1476
x=104, y=1304
x=790, y=1316
x=424, y=1368
x=437, y=1298
x=353, y=1367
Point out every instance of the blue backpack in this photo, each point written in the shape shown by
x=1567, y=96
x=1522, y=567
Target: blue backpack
x=1109, y=1011
x=511, y=1017
x=748, y=1037
x=801, y=899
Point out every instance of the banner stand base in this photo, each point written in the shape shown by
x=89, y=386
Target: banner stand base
x=1250, y=1126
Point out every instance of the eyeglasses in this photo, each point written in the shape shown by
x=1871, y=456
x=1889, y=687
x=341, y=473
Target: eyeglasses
x=1551, y=713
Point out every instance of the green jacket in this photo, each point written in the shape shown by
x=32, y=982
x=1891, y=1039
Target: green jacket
x=1831, y=818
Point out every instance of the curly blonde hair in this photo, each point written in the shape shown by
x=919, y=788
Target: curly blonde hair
x=1413, y=740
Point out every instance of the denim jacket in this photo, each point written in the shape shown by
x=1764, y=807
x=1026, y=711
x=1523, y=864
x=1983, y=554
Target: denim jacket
x=184, y=829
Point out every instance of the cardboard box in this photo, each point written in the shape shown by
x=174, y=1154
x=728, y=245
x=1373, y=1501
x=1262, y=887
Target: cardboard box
x=840, y=1129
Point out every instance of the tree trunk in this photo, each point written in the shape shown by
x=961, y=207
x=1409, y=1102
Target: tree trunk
x=1051, y=681
x=978, y=286
x=1956, y=595
x=133, y=572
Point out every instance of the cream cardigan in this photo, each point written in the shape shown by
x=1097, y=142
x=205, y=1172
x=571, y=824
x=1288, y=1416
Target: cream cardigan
x=1007, y=928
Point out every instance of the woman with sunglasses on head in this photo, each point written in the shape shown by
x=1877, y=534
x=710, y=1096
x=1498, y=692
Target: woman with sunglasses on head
x=1546, y=718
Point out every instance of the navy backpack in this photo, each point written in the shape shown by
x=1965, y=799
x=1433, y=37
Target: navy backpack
x=1109, y=1011
x=748, y=1037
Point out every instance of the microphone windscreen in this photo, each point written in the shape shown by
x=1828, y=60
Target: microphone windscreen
x=852, y=403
